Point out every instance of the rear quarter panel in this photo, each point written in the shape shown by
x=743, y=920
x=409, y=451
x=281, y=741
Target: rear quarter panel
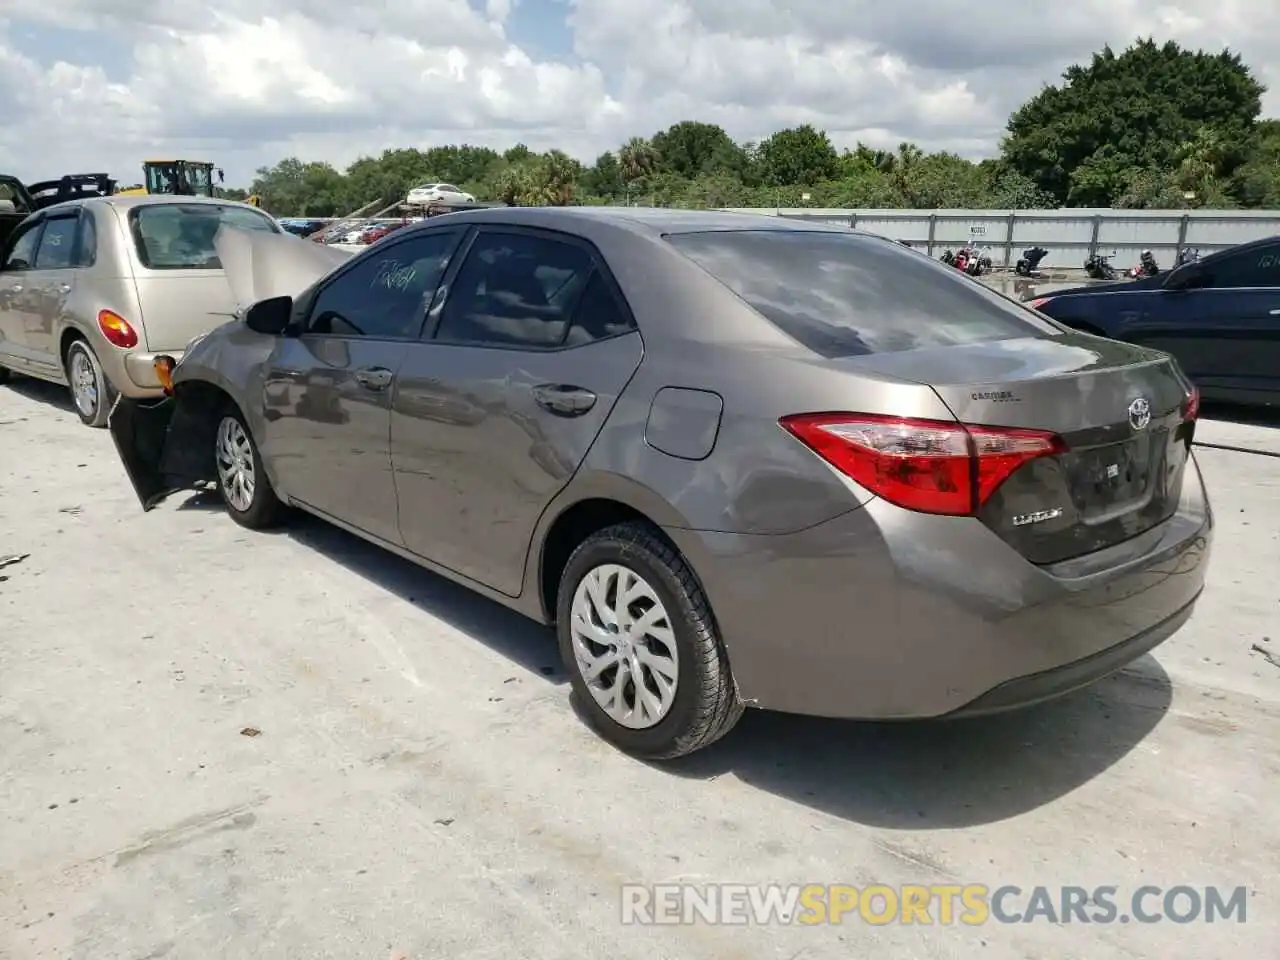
x=757, y=479
x=106, y=285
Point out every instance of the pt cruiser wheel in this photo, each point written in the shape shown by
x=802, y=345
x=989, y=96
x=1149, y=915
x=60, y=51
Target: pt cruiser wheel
x=638, y=639
x=90, y=389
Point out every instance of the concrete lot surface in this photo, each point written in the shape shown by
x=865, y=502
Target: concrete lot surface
x=420, y=787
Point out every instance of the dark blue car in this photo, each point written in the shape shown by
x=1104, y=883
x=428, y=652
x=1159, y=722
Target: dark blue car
x=1219, y=316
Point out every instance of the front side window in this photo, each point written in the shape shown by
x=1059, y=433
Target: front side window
x=179, y=236
x=57, y=244
x=515, y=290
x=1259, y=267
x=846, y=294
x=386, y=295
x=22, y=251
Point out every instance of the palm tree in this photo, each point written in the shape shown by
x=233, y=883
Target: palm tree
x=638, y=159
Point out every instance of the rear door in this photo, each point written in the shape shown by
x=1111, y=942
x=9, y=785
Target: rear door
x=56, y=276
x=19, y=293
x=328, y=391
x=530, y=345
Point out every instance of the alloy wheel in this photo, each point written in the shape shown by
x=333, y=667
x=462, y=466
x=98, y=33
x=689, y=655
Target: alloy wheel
x=84, y=382
x=624, y=646
x=234, y=452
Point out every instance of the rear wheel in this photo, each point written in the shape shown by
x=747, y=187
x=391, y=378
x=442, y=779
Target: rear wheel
x=4, y=374
x=642, y=650
x=91, y=392
x=242, y=481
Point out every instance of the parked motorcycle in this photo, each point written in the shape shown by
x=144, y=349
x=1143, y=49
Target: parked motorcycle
x=1029, y=261
x=1147, y=266
x=948, y=257
x=979, y=262
x=1098, y=267
x=1188, y=255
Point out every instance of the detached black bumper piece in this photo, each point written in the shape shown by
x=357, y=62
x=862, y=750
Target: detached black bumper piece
x=140, y=430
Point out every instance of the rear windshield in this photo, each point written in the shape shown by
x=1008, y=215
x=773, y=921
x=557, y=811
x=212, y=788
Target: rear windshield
x=175, y=236
x=843, y=295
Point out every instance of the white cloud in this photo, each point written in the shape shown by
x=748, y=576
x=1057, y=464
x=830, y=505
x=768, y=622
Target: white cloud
x=255, y=80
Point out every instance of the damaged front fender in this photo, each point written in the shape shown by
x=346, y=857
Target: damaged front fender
x=165, y=446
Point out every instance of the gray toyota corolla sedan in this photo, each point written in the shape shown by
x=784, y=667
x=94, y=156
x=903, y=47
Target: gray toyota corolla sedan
x=736, y=461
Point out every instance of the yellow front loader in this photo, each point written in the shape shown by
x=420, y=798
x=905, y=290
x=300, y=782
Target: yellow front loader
x=185, y=178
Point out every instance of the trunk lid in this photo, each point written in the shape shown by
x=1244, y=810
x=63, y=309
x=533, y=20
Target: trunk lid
x=1118, y=407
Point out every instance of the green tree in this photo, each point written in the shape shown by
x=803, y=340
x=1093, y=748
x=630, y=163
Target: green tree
x=638, y=159
x=1083, y=140
x=797, y=156
x=691, y=149
x=1256, y=182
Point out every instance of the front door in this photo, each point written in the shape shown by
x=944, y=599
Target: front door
x=532, y=344
x=19, y=294
x=328, y=389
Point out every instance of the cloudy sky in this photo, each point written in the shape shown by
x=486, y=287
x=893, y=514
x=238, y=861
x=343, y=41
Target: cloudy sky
x=88, y=85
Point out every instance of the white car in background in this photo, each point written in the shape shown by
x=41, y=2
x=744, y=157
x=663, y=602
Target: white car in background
x=437, y=193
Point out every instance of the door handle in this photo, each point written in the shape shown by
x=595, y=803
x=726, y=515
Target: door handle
x=64, y=288
x=374, y=378
x=563, y=399
x=16, y=288
x=1274, y=313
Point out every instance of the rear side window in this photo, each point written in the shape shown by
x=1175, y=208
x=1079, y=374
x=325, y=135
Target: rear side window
x=173, y=236
x=57, y=244
x=843, y=295
x=87, y=248
x=1258, y=267
x=515, y=290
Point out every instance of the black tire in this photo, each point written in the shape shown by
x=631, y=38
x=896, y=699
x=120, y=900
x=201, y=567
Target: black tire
x=706, y=705
x=5, y=374
x=93, y=407
x=264, y=509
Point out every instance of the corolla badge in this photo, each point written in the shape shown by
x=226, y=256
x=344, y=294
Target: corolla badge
x=1140, y=413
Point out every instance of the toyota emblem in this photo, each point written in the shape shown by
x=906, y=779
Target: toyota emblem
x=1139, y=414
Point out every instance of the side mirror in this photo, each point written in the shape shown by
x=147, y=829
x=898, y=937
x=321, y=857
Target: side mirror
x=1185, y=277
x=271, y=317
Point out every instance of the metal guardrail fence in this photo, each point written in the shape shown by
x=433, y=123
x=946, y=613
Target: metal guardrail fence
x=1070, y=235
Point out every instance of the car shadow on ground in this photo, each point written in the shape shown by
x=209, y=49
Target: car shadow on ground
x=904, y=775
x=1252, y=416
x=42, y=391
x=522, y=641
x=925, y=775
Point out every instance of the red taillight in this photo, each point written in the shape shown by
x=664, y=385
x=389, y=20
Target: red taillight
x=117, y=330
x=1038, y=302
x=932, y=466
x=1191, y=406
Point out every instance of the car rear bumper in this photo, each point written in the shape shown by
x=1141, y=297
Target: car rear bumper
x=140, y=370
x=882, y=613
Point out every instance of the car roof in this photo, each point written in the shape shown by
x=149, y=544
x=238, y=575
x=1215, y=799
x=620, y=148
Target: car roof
x=653, y=221
x=1239, y=247
x=147, y=200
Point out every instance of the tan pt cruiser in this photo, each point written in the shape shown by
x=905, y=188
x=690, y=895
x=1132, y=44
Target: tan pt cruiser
x=91, y=291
